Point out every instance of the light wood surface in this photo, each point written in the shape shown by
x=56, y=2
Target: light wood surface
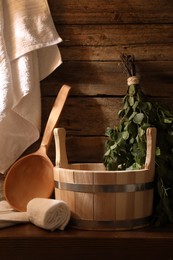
x=102, y=200
x=32, y=175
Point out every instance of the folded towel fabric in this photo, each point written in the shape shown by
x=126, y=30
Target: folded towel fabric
x=49, y=214
x=13, y=218
x=10, y=217
x=28, y=54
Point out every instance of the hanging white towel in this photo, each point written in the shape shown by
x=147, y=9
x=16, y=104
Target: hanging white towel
x=28, y=54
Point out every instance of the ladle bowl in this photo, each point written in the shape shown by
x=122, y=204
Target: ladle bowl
x=32, y=175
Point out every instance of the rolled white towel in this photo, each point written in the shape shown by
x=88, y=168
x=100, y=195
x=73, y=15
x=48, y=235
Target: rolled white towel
x=49, y=214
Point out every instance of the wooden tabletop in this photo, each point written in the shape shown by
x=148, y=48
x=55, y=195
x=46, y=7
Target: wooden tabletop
x=26, y=241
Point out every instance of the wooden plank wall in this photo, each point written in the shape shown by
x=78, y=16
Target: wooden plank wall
x=94, y=35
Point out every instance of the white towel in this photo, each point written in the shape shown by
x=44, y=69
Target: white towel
x=28, y=54
x=49, y=214
x=10, y=217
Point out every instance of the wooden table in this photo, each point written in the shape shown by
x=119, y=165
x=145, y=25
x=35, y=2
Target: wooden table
x=26, y=241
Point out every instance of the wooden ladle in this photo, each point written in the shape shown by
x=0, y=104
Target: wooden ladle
x=32, y=175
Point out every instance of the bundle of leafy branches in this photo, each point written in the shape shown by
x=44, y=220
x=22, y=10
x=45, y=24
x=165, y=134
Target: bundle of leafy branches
x=125, y=147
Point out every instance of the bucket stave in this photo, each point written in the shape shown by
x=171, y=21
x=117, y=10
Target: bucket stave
x=105, y=200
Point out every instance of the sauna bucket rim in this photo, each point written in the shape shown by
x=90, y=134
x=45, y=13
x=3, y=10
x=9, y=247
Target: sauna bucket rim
x=62, y=161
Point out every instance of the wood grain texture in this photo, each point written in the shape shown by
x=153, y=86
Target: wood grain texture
x=29, y=242
x=145, y=52
x=106, y=78
x=101, y=35
x=111, y=12
x=94, y=35
x=102, y=200
x=96, y=114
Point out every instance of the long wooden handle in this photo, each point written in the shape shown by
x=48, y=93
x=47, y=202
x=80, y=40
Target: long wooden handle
x=151, y=148
x=61, y=160
x=54, y=116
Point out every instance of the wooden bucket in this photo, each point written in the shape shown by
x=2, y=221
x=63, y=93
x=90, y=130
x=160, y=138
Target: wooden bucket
x=105, y=200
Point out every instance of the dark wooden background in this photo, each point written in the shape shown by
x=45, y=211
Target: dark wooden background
x=94, y=35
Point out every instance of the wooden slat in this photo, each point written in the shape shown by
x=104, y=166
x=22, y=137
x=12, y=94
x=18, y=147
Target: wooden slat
x=79, y=149
x=107, y=78
x=114, y=35
x=86, y=116
x=114, y=11
x=147, y=52
x=90, y=116
x=85, y=149
x=84, y=210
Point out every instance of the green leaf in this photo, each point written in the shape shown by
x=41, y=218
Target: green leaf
x=132, y=140
x=114, y=146
x=121, y=113
x=132, y=116
x=145, y=126
x=141, y=132
x=107, y=152
x=126, y=104
x=157, y=151
x=149, y=105
x=167, y=120
x=138, y=118
x=135, y=105
x=125, y=135
x=131, y=100
x=132, y=90
x=132, y=128
x=136, y=166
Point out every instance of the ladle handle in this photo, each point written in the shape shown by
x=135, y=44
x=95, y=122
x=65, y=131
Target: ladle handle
x=54, y=115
